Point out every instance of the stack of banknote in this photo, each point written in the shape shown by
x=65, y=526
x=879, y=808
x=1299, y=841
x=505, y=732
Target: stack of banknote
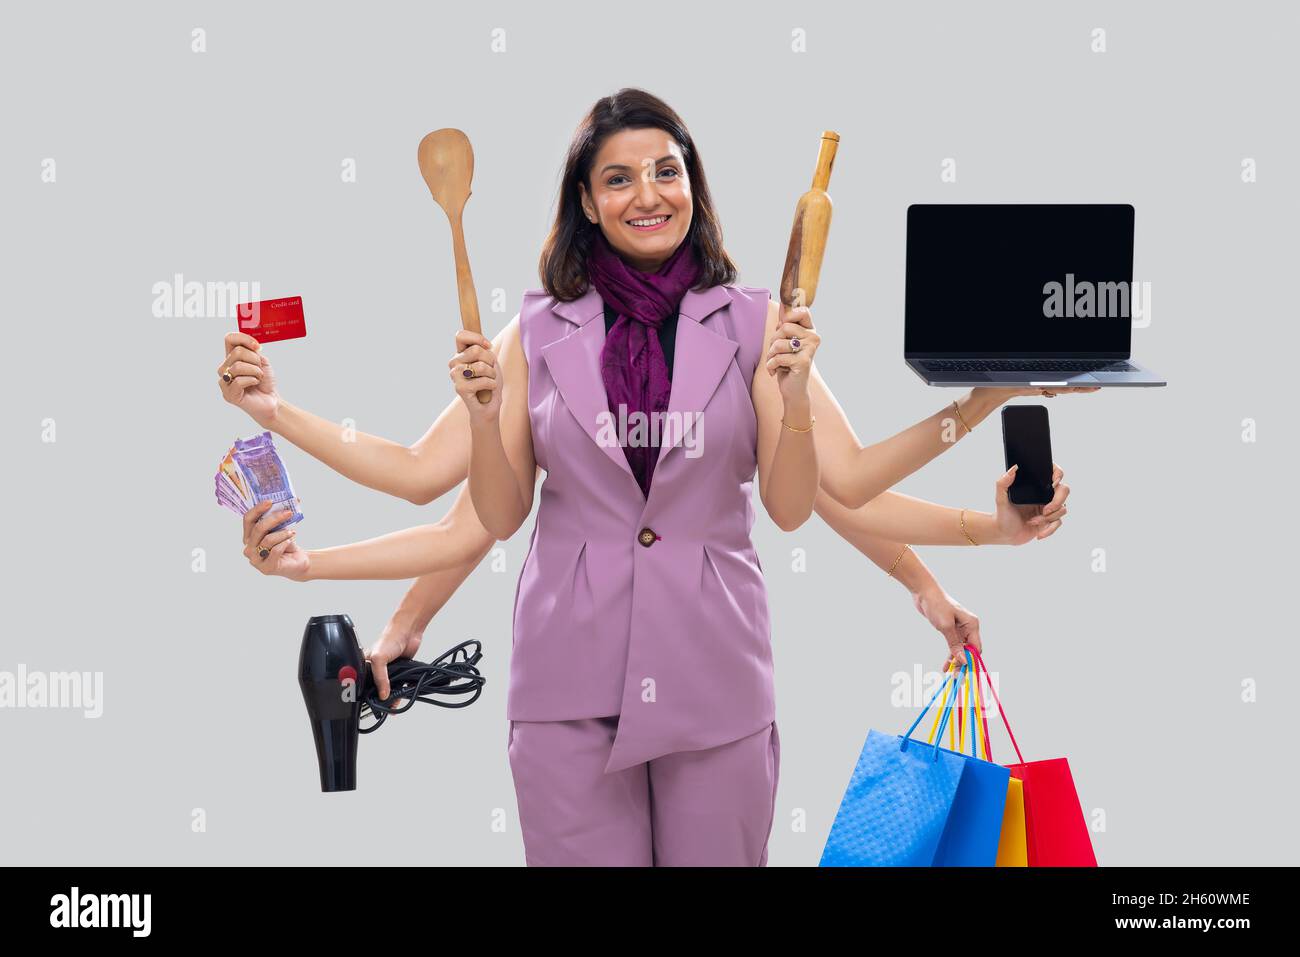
x=252, y=473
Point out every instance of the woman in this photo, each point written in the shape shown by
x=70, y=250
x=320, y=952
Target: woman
x=641, y=704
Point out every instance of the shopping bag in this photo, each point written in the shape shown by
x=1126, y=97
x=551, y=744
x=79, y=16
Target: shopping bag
x=974, y=827
x=1056, y=833
x=1011, y=842
x=910, y=803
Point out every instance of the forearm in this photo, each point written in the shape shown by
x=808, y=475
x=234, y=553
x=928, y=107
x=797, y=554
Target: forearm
x=794, y=476
x=456, y=541
x=494, y=488
x=857, y=474
x=376, y=462
x=928, y=523
x=895, y=516
x=886, y=554
x=430, y=592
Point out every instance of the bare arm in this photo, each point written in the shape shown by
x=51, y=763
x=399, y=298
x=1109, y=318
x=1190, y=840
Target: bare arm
x=457, y=540
x=419, y=473
x=788, y=470
x=428, y=593
x=502, y=465
x=958, y=624
x=854, y=474
x=893, y=515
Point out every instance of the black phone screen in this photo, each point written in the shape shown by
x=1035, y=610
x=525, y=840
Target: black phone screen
x=1028, y=444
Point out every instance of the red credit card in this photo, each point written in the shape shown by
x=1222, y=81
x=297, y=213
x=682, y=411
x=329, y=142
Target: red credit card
x=273, y=319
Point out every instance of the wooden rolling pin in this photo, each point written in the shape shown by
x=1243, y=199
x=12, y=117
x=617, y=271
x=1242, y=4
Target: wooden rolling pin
x=812, y=222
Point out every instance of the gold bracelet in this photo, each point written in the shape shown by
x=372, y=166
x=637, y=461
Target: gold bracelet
x=963, y=528
x=897, y=560
x=956, y=408
x=793, y=429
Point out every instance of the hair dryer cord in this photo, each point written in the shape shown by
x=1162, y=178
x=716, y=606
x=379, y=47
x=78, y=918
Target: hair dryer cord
x=453, y=675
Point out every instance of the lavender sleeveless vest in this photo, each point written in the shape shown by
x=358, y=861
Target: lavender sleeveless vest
x=651, y=608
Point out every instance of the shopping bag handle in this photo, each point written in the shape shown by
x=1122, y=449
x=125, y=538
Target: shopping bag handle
x=944, y=711
x=976, y=711
x=981, y=712
x=977, y=723
x=979, y=663
x=939, y=713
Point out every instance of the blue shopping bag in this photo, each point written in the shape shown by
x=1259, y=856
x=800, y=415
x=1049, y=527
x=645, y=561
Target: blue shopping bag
x=913, y=804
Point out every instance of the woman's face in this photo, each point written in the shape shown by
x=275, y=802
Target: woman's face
x=639, y=176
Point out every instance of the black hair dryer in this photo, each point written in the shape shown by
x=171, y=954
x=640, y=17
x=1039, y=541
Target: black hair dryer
x=331, y=673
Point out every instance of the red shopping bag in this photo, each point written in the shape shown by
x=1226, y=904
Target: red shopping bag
x=1056, y=833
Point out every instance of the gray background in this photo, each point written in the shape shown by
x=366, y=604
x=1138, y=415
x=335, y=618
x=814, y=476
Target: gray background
x=224, y=166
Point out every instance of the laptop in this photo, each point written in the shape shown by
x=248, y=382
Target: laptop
x=1023, y=294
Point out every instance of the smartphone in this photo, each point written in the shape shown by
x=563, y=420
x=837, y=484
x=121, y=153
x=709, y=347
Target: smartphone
x=1027, y=443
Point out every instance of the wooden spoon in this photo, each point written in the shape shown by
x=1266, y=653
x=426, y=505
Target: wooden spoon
x=447, y=165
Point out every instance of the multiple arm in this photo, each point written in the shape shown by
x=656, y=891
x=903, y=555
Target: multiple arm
x=495, y=451
x=888, y=555
x=854, y=474
x=418, y=473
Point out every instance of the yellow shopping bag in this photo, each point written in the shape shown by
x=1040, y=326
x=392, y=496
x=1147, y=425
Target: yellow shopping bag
x=1012, y=847
x=1012, y=851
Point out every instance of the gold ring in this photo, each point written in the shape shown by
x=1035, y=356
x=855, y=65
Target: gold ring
x=262, y=552
x=226, y=376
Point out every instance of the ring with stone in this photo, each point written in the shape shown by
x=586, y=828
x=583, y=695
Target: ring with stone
x=794, y=345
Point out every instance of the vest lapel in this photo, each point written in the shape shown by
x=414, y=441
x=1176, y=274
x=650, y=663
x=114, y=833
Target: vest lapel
x=700, y=360
x=574, y=363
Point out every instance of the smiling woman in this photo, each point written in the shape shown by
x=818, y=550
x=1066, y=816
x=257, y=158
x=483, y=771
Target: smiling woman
x=650, y=202
x=631, y=163
x=641, y=699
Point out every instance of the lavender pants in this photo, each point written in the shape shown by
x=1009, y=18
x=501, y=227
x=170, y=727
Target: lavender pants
x=691, y=808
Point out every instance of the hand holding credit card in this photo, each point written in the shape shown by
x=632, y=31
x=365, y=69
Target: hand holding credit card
x=273, y=319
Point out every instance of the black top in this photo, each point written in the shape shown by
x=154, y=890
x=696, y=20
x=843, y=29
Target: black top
x=667, y=335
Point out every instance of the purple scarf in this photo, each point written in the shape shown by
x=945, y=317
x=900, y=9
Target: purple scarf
x=632, y=361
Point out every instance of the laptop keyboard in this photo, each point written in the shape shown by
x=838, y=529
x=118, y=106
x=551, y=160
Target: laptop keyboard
x=1026, y=365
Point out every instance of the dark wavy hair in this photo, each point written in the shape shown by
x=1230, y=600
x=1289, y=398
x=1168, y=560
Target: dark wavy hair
x=563, y=265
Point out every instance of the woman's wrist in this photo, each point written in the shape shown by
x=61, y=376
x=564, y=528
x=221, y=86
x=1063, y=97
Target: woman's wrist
x=313, y=569
x=797, y=412
x=976, y=405
x=409, y=617
x=980, y=528
x=488, y=428
x=280, y=418
x=405, y=623
x=912, y=573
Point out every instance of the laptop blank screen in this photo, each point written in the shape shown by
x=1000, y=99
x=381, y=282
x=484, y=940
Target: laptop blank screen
x=978, y=280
